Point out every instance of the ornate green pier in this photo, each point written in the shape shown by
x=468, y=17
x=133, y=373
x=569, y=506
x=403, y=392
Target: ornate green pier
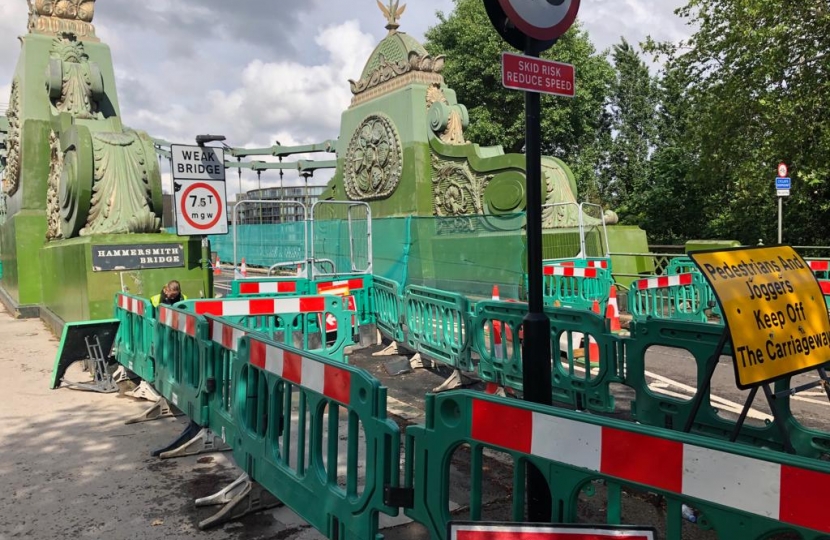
x=83, y=190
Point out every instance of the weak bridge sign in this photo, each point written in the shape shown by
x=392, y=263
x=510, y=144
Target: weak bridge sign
x=773, y=308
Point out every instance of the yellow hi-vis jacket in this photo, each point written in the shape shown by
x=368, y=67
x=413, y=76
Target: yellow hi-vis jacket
x=156, y=300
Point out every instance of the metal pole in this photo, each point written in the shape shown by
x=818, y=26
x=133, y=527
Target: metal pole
x=206, y=268
x=780, y=212
x=536, y=361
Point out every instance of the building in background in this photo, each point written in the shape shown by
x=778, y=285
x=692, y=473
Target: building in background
x=252, y=212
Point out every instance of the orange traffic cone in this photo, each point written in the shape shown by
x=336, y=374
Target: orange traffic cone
x=595, y=307
x=592, y=356
x=497, y=350
x=612, y=312
x=496, y=293
x=243, y=268
x=217, y=267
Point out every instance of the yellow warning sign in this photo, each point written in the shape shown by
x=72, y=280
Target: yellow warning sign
x=774, y=310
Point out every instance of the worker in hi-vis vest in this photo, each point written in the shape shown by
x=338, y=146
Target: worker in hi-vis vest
x=170, y=294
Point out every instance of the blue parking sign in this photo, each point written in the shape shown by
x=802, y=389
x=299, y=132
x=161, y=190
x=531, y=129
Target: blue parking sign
x=783, y=183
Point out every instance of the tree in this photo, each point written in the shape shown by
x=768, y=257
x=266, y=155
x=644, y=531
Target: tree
x=758, y=91
x=633, y=105
x=572, y=129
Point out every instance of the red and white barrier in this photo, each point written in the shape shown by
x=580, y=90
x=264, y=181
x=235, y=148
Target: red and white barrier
x=260, y=306
x=786, y=493
x=590, y=264
x=825, y=286
x=267, y=287
x=568, y=271
x=819, y=266
x=325, y=379
x=665, y=281
x=341, y=287
x=177, y=320
x=133, y=305
x=226, y=335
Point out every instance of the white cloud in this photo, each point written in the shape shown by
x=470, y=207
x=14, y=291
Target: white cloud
x=260, y=71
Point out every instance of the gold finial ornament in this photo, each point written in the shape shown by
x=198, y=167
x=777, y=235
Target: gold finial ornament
x=393, y=14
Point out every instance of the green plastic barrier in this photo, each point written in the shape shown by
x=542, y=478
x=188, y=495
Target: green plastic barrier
x=681, y=265
x=700, y=340
x=682, y=297
x=388, y=307
x=359, y=287
x=738, y=492
x=279, y=391
x=194, y=349
x=134, y=342
x=588, y=262
x=268, y=286
x=820, y=267
x=438, y=326
x=684, y=265
x=587, y=356
x=179, y=357
x=560, y=287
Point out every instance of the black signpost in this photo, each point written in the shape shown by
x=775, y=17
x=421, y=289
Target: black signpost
x=534, y=26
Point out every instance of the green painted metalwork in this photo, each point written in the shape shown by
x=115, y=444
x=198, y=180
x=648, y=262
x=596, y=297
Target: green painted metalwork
x=700, y=341
x=576, y=454
x=342, y=426
x=134, y=342
x=388, y=307
x=685, y=302
x=438, y=326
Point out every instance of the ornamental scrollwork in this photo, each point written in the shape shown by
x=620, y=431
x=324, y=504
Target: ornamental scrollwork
x=456, y=189
x=56, y=16
x=73, y=81
x=374, y=160
x=13, y=155
x=387, y=70
x=53, y=209
x=122, y=191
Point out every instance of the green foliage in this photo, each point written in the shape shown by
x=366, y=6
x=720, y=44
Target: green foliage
x=572, y=129
x=633, y=103
x=757, y=87
x=692, y=153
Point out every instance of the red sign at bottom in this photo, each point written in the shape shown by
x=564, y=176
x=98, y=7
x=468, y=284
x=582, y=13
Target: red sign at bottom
x=533, y=531
x=531, y=74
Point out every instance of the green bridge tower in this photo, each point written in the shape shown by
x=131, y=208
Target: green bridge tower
x=83, y=191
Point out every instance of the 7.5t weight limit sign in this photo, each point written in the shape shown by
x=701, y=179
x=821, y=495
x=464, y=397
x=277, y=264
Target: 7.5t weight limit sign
x=200, y=207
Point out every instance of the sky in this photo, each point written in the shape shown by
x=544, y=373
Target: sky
x=260, y=71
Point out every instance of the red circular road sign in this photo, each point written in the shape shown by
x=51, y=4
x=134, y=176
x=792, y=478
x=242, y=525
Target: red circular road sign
x=782, y=170
x=200, y=210
x=544, y=20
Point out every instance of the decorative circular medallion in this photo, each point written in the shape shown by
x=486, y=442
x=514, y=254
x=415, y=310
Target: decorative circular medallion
x=374, y=160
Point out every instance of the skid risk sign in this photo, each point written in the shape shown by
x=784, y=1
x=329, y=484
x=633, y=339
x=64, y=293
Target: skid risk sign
x=774, y=311
x=532, y=531
x=200, y=207
x=521, y=72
